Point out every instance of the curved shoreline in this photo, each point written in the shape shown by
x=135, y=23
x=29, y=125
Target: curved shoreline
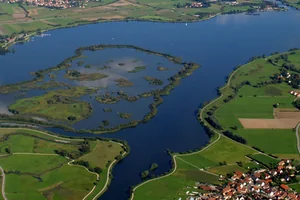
x=297, y=136
x=3, y=183
x=185, y=70
x=215, y=131
x=109, y=169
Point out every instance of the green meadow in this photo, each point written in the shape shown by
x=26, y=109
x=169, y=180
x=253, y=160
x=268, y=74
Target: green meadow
x=35, y=170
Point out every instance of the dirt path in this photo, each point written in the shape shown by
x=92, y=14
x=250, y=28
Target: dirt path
x=3, y=183
x=37, y=154
x=197, y=167
x=175, y=167
x=297, y=136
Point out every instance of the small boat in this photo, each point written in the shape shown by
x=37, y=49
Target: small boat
x=185, y=24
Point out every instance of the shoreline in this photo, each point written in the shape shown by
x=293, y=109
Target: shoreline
x=109, y=169
x=208, y=128
x=185, y=70
x=100, y=21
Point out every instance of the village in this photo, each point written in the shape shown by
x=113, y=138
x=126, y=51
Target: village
x=259, y=184
x=58, y=4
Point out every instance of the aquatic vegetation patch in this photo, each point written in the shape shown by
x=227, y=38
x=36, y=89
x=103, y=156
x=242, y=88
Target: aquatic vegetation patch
x=87, y=81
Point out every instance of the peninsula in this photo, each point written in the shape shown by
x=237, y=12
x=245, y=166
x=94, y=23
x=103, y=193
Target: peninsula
x=257, y=112
x=41, y=165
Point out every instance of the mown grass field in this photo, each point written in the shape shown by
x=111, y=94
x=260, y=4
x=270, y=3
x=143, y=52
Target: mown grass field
x=34, y=171
x=192, y=168
x=166, y=10
x=256, y=100
x=264, y=159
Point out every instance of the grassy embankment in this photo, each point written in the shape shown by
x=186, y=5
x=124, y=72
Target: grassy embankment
x=34, y=170
x=14, y=19
x=248, y=102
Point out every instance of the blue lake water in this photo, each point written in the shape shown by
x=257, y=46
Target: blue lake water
x=218, y=45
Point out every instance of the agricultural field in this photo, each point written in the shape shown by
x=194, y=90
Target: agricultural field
x=257, y=103
x=264, y=159
x=203, y=166
x=14, y=19
x=253, y=91
x=38, y=165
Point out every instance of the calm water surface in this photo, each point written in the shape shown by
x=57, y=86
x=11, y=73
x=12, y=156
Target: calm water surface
x=219, y=45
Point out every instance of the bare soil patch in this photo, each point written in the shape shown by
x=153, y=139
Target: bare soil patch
x=2, y=32
x=19, y=16
x=286, y=113
x=33, y=12
x=284, y=123
x=120, y=3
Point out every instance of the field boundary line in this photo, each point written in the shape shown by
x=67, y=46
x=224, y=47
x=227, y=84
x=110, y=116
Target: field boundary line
x=3, y=183
x=36, y=154
x=200, y=169
x=175, y=166
x=297, y=136
x=107, y=177
x=44, y=133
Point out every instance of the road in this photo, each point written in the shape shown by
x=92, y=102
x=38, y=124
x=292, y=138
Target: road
x=3, y=183
x=297, y=136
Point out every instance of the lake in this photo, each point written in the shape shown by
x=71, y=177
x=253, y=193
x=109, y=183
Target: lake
x=219, y=45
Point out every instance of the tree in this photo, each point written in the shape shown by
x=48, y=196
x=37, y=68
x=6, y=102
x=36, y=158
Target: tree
x=297, y=103
x=144, y=174
x=153, y=167
x=98, y=170
x=72, y=118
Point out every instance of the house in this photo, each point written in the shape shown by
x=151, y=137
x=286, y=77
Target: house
x=285, y=187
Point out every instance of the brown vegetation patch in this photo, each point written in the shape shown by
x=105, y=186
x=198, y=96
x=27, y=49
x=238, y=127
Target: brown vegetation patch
x=284, y=123
x=49, y=23
x=113, y=17
x=33, y=12
x=287, y=113
x=112, y=6
x=2, y=32
x=19, y=16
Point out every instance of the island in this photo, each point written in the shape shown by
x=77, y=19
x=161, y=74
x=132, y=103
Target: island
x=40, y=165
x=78, y=94
x=254, y=138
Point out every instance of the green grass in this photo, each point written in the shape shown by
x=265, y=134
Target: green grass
x=263, y=159
x=165, y=10
x=174, y=186
x=226, y=169
x=256, y=101
x=188, y=173
x=295, y=187
x=31, y=163
x=56, y=105
x=34, y=176
x=108, y=151
x=270, y=139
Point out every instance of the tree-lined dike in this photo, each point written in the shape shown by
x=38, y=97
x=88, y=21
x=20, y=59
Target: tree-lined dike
x=69, y=94
x=40, y=162
x=146, y=138
x=270, y=83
